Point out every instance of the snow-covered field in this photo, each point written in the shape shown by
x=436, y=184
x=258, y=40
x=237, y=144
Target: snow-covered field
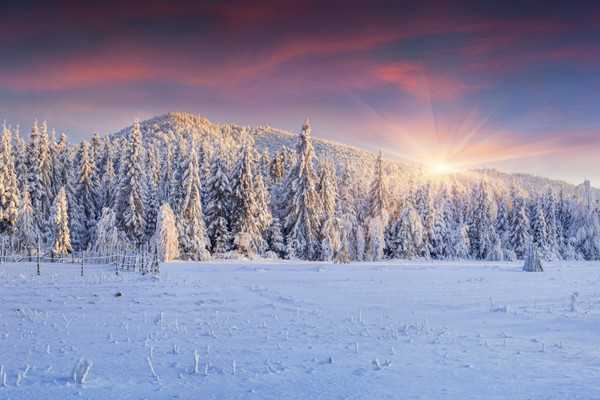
x=303, y=331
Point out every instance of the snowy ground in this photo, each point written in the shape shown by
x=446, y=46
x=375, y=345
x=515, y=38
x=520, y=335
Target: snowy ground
x=303, y=331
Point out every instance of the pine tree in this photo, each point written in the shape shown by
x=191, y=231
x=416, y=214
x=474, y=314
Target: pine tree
x=519, y=227
x=275, y=238
x=250, y=213
x=503, y=224
x=461, y=245
x=84, y=207
x=37, y=190
x=424, y=207
x=218, y=210
x=481, y=227
x=192, y=232
x=26, y=229
x=107, y=238
x=440, y=233
x=130, y=203
x=277, y=169
x=151, y=205
x=9, y=187
x=539, y=230
x=166, y=238
x=60, y=222
x=378, y=216
x=532, y=259
x=106, y=195
x=408, y=234
x=550, y=215
x=329, y=235
x=565, y=218
x=21, y=166
x=46, y=166
x=303, y=205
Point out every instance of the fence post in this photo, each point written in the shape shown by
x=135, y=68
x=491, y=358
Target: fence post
x=38, y=254
x=82, y=261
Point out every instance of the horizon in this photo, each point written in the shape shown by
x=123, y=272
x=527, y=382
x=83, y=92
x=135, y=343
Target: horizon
x=482, y=85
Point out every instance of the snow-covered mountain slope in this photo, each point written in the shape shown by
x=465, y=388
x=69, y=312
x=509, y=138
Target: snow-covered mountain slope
x=178, y=125
x=186, y=125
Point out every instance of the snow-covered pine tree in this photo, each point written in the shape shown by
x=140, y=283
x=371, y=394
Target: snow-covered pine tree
x=552, y=229
x=440, y=231
x=39, y=193
x=46, y=166
x=275, y=238
x=60, y=225
x=377, y=215
x=424, y=206
x=97, y=148
x=533, y=263
x=20, y=157
x=264, y=164
x=503, y=225
x=329, y=235
x=166, y=237
x=63, y=164
x=519, y=227
x=408, y=234
x=565, y=218
x=9, y=187
x=26, y=230
x=303, y=204
x=180, y=167
x=218, y=208
x=167, y=172
x=108, y=240
x=277, y=169
x=346, y=209
x=84, y=205
x=130, y=202
x=587, y=236
x=192, y=232
x=482, y=224
x=250, y=215
x=461, y=246
x=106, y=192
x=539, y=232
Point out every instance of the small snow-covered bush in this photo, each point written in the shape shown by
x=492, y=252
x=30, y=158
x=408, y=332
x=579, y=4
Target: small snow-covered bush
x=81, y=371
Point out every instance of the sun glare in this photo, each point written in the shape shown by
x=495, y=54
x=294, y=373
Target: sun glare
x=442, y=168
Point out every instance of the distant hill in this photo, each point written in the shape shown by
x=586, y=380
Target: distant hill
x=178, y=125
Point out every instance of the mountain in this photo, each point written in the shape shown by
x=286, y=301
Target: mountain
x=179, y=125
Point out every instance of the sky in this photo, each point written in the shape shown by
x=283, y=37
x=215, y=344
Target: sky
x=507, y=85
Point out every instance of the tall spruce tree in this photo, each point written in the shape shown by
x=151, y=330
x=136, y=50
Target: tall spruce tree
x=130, y=203
x=60, y=225
x=84, y=207
x=519, y=227
x=250, y=213
x=481, y=227
x=377, y=218
x=9, y=187
x=218, y=209
x=329, y=235
x=193, y=241
x=303, y=204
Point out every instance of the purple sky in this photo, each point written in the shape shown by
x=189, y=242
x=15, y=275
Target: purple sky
x=483, y=84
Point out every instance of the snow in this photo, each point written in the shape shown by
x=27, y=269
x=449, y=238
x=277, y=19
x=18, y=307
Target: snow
x=294, y=330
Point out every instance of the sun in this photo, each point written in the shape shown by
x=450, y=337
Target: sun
x=443, y=168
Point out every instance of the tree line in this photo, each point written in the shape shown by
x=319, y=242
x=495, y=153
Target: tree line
x=193, y=201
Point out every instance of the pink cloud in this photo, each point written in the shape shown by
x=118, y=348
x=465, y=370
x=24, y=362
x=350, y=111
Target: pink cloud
x=420, y=82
